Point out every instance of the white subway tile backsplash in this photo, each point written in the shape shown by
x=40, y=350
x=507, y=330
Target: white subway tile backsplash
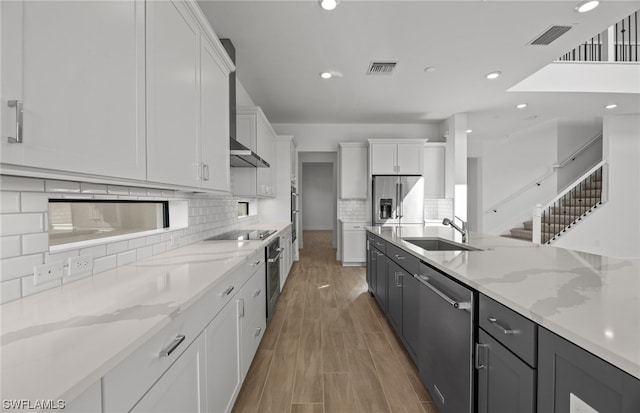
x=137, y=243
x=77, y=196
x=17, y=183
x=10, y=246
x=154, y=192
x=153, y=239
x=35, y=202
x=96, y=252
x=90, y=188
x=117, y=190
x=126, y=258
x=138, y=191
x=33, y=243
x=104, y=264
x=117, y=247
x=144, y=252
x=61, y=186
x=61, y=256
x=10, y=290
x=9, y=202
x=29, y=288
x=159, y=248
x=16, y=224
x=19, y=266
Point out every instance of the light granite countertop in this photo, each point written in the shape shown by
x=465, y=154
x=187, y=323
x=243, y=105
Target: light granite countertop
x=57, y=343
x=591, y=300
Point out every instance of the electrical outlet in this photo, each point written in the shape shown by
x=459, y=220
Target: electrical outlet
x=47, y=272
x=80, y=264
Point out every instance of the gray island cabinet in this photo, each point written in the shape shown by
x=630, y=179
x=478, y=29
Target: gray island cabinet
x=511, y=363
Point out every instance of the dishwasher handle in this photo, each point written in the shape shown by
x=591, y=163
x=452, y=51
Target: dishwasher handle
x=458, y=305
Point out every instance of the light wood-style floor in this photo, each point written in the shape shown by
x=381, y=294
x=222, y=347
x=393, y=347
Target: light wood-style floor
x=328, y=347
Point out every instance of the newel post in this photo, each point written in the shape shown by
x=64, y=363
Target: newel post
x=537, y=224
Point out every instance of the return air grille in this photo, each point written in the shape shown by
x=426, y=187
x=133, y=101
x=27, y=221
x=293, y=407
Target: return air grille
x=381, y=68
x=550, y=35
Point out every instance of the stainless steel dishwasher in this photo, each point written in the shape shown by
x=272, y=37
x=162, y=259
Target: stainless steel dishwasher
x=446, y=341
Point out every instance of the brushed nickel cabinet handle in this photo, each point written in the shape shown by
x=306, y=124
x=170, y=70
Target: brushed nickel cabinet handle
x=228, y=290
x=171, y=347
x=18, y=105
x=258, y=331
x=505, y=330
x=257, y=293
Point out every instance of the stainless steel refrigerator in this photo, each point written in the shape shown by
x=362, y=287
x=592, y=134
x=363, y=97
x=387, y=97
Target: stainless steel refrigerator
x=398, y=200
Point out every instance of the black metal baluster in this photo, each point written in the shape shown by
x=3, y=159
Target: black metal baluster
x=636, y=19
x=615, y=43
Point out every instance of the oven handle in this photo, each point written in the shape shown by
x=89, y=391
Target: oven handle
x=276, y=258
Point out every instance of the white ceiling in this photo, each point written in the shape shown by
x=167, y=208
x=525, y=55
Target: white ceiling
x=282, y=46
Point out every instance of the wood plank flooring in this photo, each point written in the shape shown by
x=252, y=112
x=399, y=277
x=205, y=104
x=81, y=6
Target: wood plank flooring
x=328, y=347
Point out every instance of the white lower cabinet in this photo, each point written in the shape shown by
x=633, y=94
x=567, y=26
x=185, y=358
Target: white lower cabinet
x=354, y=242
x=252, y=319
x=223, y=360
x=181, y=388
x=286, y=259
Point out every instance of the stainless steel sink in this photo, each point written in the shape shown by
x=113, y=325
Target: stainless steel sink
x=439, y=244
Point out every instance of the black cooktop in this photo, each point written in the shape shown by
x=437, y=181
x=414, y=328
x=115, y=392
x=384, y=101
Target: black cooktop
x=244, y=235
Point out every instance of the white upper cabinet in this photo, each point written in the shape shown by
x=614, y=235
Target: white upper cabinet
x=255, y=132
x=187, y=101
x=434, y=170
x=354, y=180
x=214, y=119
x=173, y=55
x=78, y=70
x=396, y=157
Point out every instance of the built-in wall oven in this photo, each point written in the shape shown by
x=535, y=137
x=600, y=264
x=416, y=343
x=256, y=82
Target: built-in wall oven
x=294, y=214
x=272, y=256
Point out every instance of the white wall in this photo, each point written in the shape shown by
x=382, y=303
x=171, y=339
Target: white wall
x=572, y=134
x=318, y=196
x=325, y=137
x=508, y=165
x=614, y=228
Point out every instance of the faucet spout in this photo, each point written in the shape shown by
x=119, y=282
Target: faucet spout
x=464, y=230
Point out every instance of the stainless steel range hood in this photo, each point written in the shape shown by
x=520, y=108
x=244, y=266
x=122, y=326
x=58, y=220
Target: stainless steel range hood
x=243, y=157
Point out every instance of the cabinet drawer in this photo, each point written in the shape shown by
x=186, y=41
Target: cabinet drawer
x=404, y=259
x=354, y=226
x=377, y=242
x=128, y=381
x=253, y=294
x=511, y=329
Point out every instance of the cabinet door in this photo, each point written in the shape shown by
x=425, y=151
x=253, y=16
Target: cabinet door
x=223, y=360
x=383, y=158
x=78, y=68
x=173, y=54
x=181, y=388
x=354, y=246
x=214, y=119
x=409, y=159
x=381, y=280
x=506, y=384
x=353, y=172
x=411, y=313
x=395, y=276
x=90, y=401
x=434, y=171
x=570, y=378
x=266, y=149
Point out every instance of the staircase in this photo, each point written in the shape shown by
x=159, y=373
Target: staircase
x=566, y=210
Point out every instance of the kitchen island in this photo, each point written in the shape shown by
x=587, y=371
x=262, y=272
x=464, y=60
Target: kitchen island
x=591, y=301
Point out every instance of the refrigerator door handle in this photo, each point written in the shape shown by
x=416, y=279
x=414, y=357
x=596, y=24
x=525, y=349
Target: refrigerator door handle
x=401, y=201
x=397, y=211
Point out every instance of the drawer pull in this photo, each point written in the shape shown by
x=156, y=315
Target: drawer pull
x=258, y=331
x=500, y=327
x=228, y=291
x=257, y=293
x=479, y=366
x=171, y=347
x=458, y=305
x=256, y=263
x=379, y=253
x=19, y=114
x=380, y=244
x=400, y=257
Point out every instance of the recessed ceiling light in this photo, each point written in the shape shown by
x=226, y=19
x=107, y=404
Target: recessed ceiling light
x=326, y=75
x=328, y=4
x=469, y=130
x=521, y=105
x=586, y=6
x=430, y=69
x=611, y=106
x=494, y=75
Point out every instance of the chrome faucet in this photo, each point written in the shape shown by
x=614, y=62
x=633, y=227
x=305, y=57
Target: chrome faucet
x=464, y=230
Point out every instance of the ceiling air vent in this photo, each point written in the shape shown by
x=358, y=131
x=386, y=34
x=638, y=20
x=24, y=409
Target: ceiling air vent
x=381, y=68
x=550, y=35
